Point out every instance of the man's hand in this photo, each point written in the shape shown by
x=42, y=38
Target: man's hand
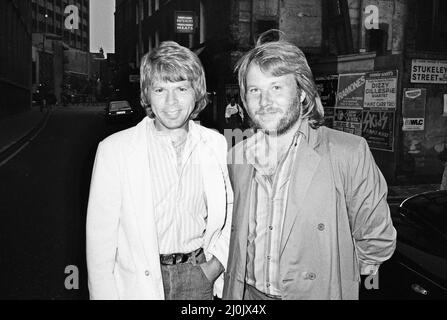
x=212, y=269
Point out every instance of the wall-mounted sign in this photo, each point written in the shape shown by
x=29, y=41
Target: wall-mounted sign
x=378, y=129
x=380, y=90
x=429, y=71
x=185, y=22
x=413, y=109
x=351, y=91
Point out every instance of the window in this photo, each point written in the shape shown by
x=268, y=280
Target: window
x=150, y=44
x=157, y=39
x=377, y=39
x=202, y=23
x=149, y=7
x=414, y=232
x=145, y=7
x=430, y=27
x=265, y=25
x=152, y=6
x=140, y=10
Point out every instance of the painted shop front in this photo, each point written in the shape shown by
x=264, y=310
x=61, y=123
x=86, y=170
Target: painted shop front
x=397, y=103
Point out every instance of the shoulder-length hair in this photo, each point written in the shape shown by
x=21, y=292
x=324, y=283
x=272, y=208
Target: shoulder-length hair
x=171, y=62
x=279, y=58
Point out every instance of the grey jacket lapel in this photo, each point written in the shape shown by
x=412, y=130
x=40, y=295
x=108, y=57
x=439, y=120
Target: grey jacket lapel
x=304, y=167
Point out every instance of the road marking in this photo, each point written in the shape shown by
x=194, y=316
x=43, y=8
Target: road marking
x=15, y=153
x=25, y=144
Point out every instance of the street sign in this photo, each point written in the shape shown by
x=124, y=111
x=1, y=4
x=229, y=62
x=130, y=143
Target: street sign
x=185, y=22
x=429, y=71
x=413, y=109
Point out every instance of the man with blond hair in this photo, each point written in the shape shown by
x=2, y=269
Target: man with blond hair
x=160, y=199
x=310, y=212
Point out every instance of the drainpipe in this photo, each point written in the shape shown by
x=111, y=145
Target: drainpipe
x=361, y=36
x=252, y=21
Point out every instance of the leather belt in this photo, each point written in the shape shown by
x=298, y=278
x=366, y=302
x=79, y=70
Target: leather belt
x=178, y=258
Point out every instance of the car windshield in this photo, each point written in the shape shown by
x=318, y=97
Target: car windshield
x=119, y=105
x=432, y=208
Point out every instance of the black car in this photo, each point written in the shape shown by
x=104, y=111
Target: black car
x=418, y=268
x=119, y=110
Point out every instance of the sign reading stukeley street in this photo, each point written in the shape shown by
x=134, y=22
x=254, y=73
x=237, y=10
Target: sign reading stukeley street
x=429, y=71
x=184, y=22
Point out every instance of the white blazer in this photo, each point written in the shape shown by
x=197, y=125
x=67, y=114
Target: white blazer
x=122, y=245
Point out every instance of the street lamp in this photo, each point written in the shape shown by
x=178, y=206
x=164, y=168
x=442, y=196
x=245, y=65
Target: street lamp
x=45, y=32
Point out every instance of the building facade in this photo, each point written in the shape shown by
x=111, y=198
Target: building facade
x=15, y=56
x=49, y=17
x=403, y=59
x=61, y=42
x=380, y=64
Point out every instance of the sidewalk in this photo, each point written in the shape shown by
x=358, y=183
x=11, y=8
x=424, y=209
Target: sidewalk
x=15, y=128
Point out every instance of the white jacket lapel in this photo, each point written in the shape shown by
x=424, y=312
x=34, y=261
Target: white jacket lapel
x=140, y=187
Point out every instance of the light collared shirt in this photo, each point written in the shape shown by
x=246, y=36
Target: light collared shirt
x=178, y=193
x=232, y=110
x=267, y=210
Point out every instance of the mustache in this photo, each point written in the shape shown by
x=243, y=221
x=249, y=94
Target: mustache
x=267, y=110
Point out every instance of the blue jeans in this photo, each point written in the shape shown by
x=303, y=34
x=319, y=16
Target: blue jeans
x=187, y=281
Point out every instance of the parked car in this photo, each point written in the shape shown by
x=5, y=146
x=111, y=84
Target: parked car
x=418, y=269
x=119, y=110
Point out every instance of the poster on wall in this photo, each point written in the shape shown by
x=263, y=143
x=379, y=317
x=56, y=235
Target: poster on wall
x=429, y=71
x=350, y=91
x=349, y=103
x=327, y=89
x=378, y=129
x=348, y=120
x=381, y=90
x=413, y=109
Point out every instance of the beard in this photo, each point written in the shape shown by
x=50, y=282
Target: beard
x=287, y=121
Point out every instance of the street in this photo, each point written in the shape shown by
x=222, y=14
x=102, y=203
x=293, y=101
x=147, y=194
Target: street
x=43, y=206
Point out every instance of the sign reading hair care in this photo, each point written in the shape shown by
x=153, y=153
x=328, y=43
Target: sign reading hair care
x=184, y=22
x=351, y=91
x=429, y=71
x=381, y=90
x=378, y=129
x=413, y=109
x=348, y=120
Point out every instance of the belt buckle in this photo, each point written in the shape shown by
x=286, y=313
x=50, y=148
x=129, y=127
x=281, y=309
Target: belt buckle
x=178, y=257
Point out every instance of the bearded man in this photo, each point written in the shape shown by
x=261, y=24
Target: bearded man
x=310, y=213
